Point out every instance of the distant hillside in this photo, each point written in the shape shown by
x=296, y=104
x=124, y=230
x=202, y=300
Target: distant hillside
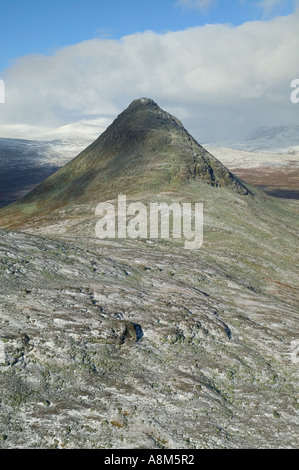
x=26, y=163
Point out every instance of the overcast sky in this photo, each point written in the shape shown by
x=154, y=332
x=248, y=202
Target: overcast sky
x=222, y=67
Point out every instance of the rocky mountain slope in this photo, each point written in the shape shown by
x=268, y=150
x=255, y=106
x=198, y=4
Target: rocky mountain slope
x=126, y=343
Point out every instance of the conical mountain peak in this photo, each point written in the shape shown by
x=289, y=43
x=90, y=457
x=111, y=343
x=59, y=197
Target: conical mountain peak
x=149, y=105
x=145, y=114
x=145, y=150
x=144, y=103
x=147, y=102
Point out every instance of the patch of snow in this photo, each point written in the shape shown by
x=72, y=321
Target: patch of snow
x=245, y=159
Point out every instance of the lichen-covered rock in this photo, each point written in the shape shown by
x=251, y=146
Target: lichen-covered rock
x=193, y=352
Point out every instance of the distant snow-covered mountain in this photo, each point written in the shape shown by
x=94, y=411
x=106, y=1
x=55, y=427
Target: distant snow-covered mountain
x=80, y=131
x=277, y=139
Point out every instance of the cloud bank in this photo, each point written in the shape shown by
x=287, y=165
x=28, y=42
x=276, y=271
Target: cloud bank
x=221, y=81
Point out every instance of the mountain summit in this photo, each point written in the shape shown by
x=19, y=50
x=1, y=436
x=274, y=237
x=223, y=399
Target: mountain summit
x=145, y=149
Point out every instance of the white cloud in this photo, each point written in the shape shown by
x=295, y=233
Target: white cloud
x=196, y=4
x=219, y=80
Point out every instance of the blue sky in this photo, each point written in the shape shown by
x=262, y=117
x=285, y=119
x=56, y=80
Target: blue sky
x=43, y=26
x=223, y=67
